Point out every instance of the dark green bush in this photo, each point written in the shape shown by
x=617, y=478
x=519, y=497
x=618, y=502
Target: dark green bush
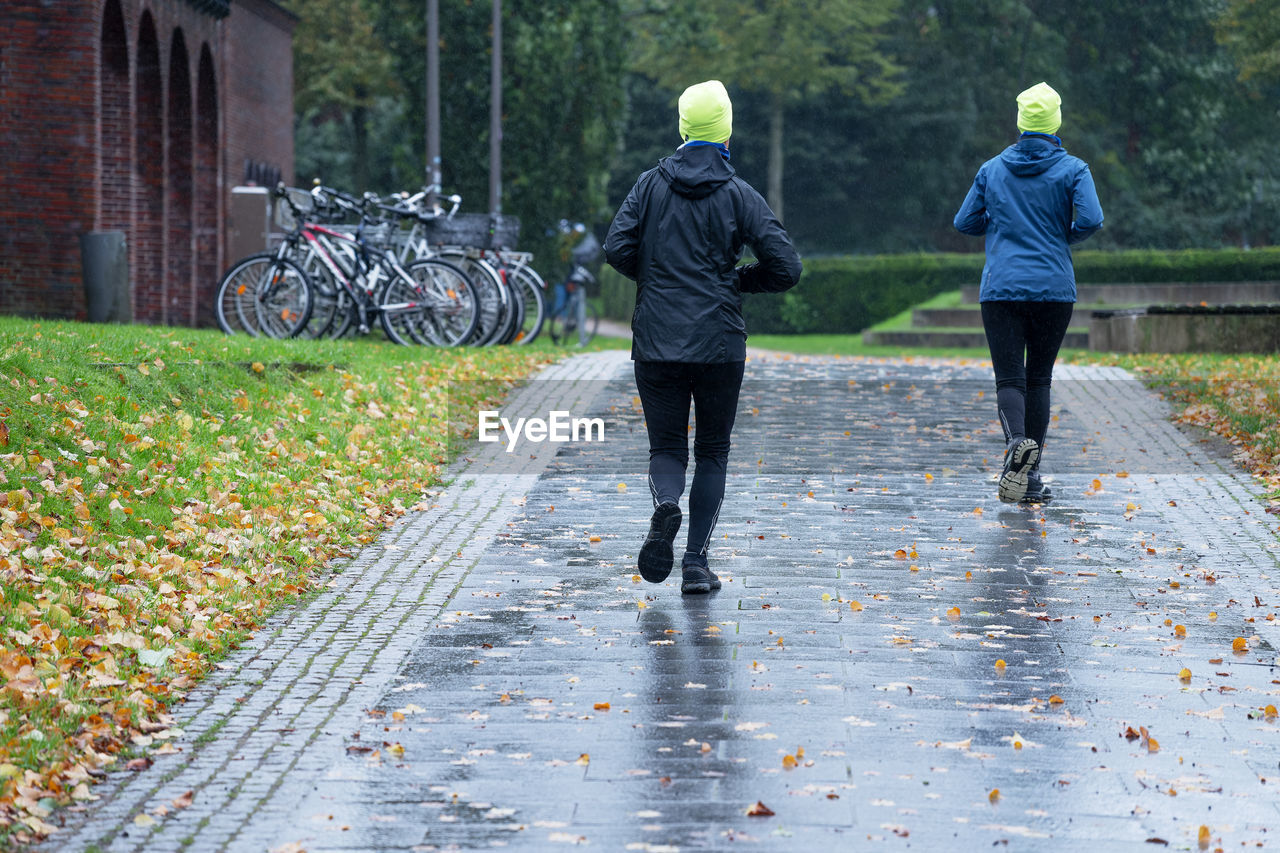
x=849, y=293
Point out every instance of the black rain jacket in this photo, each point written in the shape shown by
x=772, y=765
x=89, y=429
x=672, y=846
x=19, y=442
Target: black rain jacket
x=679, y=235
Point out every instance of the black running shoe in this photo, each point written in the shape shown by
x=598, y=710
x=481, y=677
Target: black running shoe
x=1019, y=458
x=657, y=554
x=698, y=578
x=1037, y=491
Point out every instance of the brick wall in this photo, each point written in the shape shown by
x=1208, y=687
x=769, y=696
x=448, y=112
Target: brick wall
x=131, y=115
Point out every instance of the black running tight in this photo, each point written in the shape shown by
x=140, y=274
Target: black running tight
x=1024, y=338
x=666, y=389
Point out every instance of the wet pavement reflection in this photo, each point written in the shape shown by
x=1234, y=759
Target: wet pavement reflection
x=895, y=658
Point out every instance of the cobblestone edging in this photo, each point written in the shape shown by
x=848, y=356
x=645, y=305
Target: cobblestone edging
x=280, y=704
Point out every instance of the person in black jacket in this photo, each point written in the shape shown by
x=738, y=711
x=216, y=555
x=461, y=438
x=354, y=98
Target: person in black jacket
x=680, y=234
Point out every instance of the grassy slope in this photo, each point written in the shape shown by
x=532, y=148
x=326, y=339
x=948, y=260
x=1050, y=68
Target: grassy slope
x=162, y=490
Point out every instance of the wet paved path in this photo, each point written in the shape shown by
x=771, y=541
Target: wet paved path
x=489, y=674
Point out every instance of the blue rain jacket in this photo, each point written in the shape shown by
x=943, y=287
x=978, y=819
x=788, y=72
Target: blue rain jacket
x=1031, y=203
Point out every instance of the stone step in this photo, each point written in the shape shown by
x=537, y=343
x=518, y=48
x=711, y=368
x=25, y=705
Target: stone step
x=953, y=338
x=971, y=316
x=1151, y=293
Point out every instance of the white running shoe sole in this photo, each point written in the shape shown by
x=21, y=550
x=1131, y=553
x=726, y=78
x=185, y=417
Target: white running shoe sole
x=1017, y=465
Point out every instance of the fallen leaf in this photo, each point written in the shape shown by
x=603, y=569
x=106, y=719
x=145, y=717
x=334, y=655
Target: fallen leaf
x=759, y=809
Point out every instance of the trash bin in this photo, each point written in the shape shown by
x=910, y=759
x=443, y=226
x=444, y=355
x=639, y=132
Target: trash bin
x=104, y=263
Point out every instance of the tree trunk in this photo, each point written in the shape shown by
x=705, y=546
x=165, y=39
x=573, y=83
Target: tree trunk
x=774, y=193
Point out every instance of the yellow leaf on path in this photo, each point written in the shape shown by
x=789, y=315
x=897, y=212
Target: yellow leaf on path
x=994, y=795
x=953, y=612
x=1239, y=644
x=1000, y=664
x=855, y=606
x=1202, y=837
x=144, y=820
x=396, y=749
x=601, y=706
x=788, y=762
x=584, y=759
x=1055, y=699
x=1184, y=674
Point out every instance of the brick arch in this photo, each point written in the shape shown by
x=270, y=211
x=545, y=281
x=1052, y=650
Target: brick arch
x=180, y=300
x=148, y=235
x=115, y=145
x=207, y=195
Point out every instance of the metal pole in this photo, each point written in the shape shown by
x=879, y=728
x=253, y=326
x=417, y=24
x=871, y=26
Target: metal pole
x=495, y=114
x=433, y=97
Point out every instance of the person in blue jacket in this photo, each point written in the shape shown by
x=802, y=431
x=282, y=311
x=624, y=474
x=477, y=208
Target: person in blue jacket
x=1031, y=203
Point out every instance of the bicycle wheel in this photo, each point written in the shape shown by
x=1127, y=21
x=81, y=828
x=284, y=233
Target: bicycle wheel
x=236, y=306
x=437, y=304
x=494, y=295
x=284, y=299
x=331, y=309
x=515, y=316
x=561, y=327
x=532, y=290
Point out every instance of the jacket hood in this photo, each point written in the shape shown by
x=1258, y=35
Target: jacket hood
x=1031, y=156
x=695, y=171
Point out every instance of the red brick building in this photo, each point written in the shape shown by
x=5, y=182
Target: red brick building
x=137, y=116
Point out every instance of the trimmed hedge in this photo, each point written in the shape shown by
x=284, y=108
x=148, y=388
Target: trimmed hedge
x=846, y=294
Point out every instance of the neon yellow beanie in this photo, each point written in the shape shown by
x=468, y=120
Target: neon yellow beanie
x=1040, y=109
x=706, y=113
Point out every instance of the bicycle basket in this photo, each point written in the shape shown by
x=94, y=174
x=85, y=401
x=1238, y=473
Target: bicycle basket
x=383, y=235
x=587, y=252
x=301, y=199
x=474, y=230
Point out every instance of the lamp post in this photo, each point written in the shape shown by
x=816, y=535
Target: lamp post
x=433, y=100
x=495, y=114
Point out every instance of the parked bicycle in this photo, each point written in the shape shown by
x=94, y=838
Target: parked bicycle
x=573, y=318
x=327, y=280
x=412, y=263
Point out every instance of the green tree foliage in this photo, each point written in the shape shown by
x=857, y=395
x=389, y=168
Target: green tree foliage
x=562, y=106
x=1251, y=31
x=790, y=51
x=889, y=107
x=342, y=71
